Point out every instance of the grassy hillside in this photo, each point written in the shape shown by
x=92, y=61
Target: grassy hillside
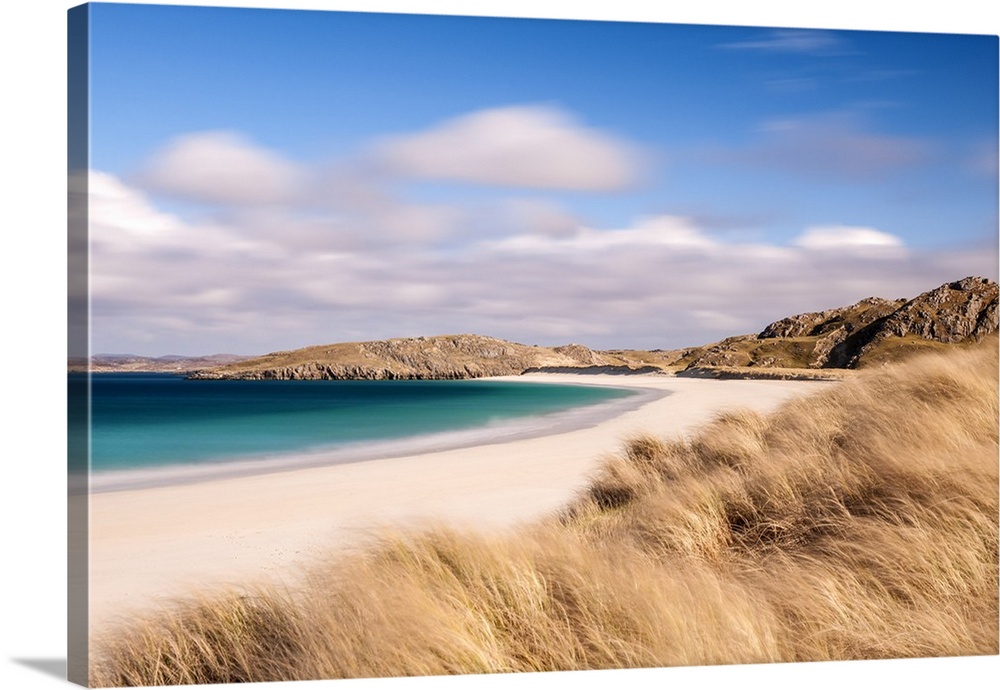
x=433, y=357
x=857, y=523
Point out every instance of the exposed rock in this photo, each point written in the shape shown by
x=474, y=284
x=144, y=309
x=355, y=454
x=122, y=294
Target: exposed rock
x=952, y=313
x=579, y=353
x=724, y=354
x=829, y=321
x=849, y=337
x=825, y=345
x=949, y=314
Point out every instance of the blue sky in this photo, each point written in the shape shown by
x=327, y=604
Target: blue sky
x=270, y=179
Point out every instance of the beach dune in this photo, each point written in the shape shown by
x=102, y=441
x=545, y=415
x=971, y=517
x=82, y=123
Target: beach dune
x=150, y=546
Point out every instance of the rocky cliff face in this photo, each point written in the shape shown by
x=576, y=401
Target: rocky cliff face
x=952, y=313
x=827, y=322
x=873, y=329
x=949, y=314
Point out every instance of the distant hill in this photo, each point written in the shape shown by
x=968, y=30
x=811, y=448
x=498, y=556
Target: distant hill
x=165, y=364
x=811, y=345
x=434, y=357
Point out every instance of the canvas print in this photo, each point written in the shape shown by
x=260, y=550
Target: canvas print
x=426, y=345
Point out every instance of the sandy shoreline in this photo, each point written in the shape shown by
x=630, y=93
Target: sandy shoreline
x=501, y=431
x=150, y=545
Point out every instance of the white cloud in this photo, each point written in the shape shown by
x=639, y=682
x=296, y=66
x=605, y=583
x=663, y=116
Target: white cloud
x=257, y=282
x=144, y=258
x=843, y=237
x=114, y=207
x=222, y=167
x=518, y=146
x=657, y=231
x=123, y=220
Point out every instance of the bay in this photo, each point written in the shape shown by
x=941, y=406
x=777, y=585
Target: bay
x=147, y=421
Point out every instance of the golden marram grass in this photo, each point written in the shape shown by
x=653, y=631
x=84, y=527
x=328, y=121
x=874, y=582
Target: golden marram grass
x=857, y=523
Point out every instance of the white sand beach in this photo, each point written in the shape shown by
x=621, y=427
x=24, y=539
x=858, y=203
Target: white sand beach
x=151, y=545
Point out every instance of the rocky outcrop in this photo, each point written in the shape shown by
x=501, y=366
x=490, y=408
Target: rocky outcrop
x=831, y=328
x=726, y=353
x=830, y=321
x=949, y=314
x=952, y=313
x=580, y=354
x=852, y=336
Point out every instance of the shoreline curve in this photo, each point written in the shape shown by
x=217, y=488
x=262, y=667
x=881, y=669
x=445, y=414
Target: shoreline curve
x=149, y=546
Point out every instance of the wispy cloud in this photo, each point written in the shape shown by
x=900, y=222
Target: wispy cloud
x=519, y=146
x=813, y=42
x=266, y=281
x=661, y=231
x=831, y=145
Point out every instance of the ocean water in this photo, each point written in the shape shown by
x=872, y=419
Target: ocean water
x=142, y=424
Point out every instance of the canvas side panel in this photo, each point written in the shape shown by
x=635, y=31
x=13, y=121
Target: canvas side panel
x=78, y=345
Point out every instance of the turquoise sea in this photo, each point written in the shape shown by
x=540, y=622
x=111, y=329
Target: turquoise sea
x=147, y=425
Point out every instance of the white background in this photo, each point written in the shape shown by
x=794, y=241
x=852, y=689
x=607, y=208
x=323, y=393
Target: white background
x=32, y=172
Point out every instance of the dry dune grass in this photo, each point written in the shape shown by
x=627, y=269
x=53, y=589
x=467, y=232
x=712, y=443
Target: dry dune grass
x=857, y=523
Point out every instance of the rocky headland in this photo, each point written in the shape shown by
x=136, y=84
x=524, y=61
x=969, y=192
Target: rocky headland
x=872, y=331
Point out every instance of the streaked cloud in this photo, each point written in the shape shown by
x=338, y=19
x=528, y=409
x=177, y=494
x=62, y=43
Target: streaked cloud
x=222, y=167
x=793, y=41
x=832, y=145
x=660, y=231
x=531, y=147
x=275, y=280
x=540, y=147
